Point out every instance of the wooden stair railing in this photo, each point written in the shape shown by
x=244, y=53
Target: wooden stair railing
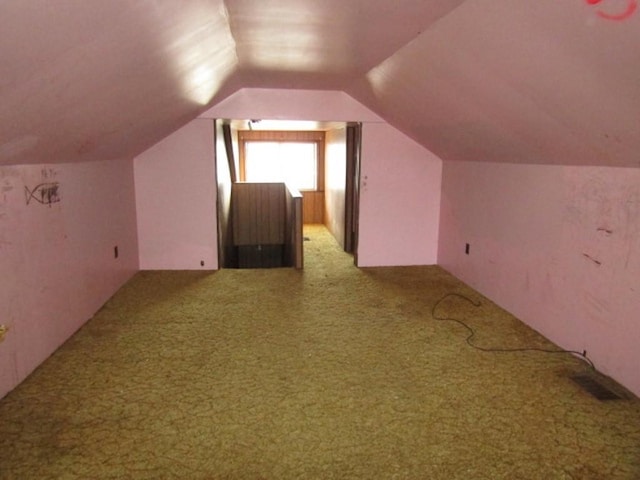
x=267, y=225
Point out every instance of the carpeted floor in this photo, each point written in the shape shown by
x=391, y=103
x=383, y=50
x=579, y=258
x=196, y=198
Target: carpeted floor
x=330, y=372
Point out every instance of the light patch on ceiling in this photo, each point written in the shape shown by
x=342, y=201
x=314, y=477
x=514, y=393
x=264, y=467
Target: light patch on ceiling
x=380, y=76
x=305, y=37
x=202, y=84
x=388, y=73
x=205, y=78
x=206, y=57
x=301, y=54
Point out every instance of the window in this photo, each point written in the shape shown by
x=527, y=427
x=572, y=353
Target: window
x=295, y=163
x=279, y=156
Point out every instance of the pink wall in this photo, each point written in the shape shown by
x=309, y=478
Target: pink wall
x=176, y=200
x=399, y=199
x=559, y=247
x=335, y=168
x=286, y=104
x=57, y=259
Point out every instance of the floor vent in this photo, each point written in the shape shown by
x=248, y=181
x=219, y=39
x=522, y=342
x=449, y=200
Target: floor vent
x=593, y=386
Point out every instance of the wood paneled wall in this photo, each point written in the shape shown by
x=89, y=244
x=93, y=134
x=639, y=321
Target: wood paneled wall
x=294, y=245
x=313, y=207
x=282, y=135
x=267, y=225
x=258, y=213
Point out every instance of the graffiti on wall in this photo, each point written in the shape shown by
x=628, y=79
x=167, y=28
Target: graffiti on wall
x=45, y=193
x=614, y=10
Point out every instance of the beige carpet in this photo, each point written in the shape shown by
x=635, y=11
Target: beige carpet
x=332, y=372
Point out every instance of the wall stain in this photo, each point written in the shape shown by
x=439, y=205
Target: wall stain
x=86, y=146
x=605, y=230
x=589, y=257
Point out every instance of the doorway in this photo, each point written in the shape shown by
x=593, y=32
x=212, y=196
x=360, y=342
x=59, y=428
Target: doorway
x=330, y=192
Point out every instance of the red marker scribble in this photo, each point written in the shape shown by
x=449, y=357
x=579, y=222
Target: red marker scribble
x=632, y=6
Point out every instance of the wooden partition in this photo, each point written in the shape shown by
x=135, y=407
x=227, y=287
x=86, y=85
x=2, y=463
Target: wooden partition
x=267, y=225
x=294, y=210
x=313, y=211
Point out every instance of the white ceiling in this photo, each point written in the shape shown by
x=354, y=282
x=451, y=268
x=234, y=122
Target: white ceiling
x=544, y=81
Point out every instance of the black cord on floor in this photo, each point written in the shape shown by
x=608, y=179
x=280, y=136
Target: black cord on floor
x=472, y=333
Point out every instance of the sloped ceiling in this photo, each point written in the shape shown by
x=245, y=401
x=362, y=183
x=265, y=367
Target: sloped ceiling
x=544, y=81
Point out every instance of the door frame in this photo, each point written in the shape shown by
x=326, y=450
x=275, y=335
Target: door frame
x=352, y=189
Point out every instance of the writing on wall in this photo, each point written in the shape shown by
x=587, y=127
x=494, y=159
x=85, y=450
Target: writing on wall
x=45, y=193
x=614, y=10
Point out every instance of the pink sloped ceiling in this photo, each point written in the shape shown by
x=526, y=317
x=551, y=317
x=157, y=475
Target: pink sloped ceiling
x=543, y=82
x=99, y=80
x=84, y=81
x=546, y=82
